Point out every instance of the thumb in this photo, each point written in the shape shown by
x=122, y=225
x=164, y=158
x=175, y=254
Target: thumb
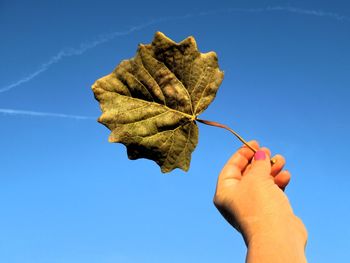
x=261, y=165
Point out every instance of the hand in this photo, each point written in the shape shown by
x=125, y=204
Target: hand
x=249, y=194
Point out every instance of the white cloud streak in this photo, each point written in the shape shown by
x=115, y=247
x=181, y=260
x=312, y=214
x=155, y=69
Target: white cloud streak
x=85, y=46
x=69, y=52
x=301, y=11
x=44, y=114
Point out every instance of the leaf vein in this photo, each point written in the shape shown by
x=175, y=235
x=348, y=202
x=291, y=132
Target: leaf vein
x=202, y=93
x=147, y=119
x=187, y=139
x=149, y=93
x=149, y=74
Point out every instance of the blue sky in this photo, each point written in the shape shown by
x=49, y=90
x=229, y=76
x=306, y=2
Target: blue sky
x=67, y=195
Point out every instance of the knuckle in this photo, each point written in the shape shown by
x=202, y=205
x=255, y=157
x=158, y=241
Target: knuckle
x=280, y=158
x=218, y=200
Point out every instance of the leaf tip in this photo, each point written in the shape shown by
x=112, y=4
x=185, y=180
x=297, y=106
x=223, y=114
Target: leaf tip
x=112, y=138
x=159, y=34
x=168, y=170
x=164, y=171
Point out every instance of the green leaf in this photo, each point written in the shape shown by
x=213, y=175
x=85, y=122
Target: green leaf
x=150, y=102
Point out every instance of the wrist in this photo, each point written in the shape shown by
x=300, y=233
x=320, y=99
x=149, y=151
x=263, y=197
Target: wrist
x=278, y=239
x=283, y=227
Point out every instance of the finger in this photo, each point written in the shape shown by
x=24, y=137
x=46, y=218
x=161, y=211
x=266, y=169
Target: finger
x=253, y=144
x=244, y=152
x=260, y=165
x=266, y=150
x=247, y=152
x=278, y=165
x=247, y=168
x=282, y=179
x=236, y=164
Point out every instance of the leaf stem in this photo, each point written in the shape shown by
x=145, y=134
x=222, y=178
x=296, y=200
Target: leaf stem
x=216, y=124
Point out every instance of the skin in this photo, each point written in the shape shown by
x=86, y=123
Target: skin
x=250, y=195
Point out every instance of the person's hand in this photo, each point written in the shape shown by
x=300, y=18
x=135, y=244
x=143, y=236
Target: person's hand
x=249, y=194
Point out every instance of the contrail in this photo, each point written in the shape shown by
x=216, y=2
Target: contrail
x=69, y=52
x=309, y=12
x=85, y=46
x=44, y=114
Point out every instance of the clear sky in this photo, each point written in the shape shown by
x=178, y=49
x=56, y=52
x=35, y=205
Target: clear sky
x=69, y=196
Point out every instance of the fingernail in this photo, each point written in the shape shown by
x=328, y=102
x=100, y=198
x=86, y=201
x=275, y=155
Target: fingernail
x=259, y=155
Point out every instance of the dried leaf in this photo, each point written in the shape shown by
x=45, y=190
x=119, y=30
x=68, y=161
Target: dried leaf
x=150, y=102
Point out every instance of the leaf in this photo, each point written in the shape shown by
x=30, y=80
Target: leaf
x=150, y=102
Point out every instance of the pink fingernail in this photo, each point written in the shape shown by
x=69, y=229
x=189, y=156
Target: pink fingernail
x=259, y=155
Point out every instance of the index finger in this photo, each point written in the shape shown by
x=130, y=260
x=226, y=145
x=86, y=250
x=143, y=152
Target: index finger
x=237, y=163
